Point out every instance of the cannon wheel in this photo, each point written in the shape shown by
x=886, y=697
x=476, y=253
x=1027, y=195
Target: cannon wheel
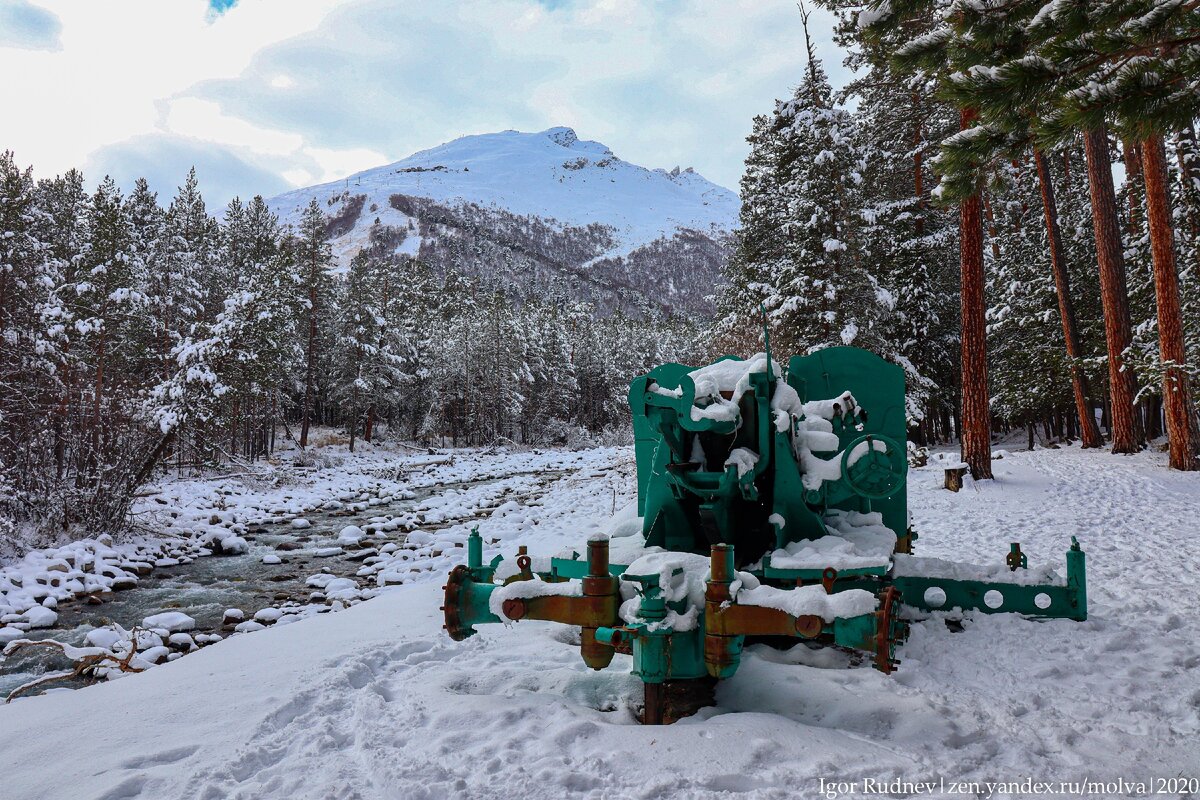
x=454, y=625
x=890, y=630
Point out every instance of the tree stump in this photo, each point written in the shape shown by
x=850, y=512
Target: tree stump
x=954, y=478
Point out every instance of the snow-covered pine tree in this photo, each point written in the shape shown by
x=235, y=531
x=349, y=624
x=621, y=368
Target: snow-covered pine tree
x=316, y=285
x=1031, y=373
x=759, y=240
x=820, y=293
x=61, y=224
x=909, y=240
x=107, y=301
x=373, y=351
x=147, y=252
x=801, y=192
x=1187, y=204
x=396, y=340
x=258, y=275
x=178, y=291
x=914, y=37
x=27, y=361
x=418, y=329
x=551, y=382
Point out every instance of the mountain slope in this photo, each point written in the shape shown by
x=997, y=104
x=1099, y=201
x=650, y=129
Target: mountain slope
x=534, y=212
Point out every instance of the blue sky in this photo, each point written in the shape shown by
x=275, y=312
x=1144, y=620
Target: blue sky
x=266, y=95
x=29, y=27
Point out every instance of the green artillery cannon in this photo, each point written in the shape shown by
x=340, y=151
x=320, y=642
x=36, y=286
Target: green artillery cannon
x=771, y=506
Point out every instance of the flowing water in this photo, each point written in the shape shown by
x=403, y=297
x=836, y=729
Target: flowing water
x=207, y=586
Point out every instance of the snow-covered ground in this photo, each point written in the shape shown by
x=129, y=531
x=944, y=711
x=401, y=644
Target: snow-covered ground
x=376, y=702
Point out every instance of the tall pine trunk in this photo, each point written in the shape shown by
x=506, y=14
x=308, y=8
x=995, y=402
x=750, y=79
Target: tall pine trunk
x=310, y=357
x=1114, y=294
x=1176, y=398
x=1132, y=156
x=94, y=459
x=1089, y=432
x=918, y=167
x=976, y=412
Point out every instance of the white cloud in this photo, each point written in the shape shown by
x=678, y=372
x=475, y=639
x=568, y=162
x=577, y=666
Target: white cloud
x=190, y=114
x=119, y=57
x=310, y=90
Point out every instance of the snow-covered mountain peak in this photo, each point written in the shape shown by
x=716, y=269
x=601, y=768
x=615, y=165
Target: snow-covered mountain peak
x=511, y=180
x=563, y=136
x=552, y=174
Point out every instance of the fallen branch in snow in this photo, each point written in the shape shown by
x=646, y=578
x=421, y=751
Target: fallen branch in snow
x=426, y=450
x=87, y=660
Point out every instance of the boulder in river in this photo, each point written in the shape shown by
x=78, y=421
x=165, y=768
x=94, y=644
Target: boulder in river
x=232, y=546
x=172, y=621
x=41, y=617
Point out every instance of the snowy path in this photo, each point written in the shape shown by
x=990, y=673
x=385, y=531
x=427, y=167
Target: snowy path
x=375, y=702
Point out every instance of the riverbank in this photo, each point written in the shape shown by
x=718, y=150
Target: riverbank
x=242, y=552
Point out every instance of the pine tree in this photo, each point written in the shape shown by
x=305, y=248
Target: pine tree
x=373, y=352
x=107, y=298
x=1187, y=201
x=61, y=224
x=147, y=255
x=27, y=362
x=798, y=253
x=176, y=290
x=908, y=239
x=1126, y=63
x=1178, y=401
x=316, y=284
x=1089, y=431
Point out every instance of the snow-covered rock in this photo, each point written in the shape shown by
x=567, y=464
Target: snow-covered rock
x=234, y=546
x=41, y=617
x=351, y=535
x=104, y=637
x=249, y=626
x=182, y=640
x=171, y=621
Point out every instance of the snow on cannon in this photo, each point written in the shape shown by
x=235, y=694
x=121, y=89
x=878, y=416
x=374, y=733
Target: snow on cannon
x=770, y=508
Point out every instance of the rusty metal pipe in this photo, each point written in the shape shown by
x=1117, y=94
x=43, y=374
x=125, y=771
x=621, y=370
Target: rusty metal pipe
x=597, y=557
x=721, y=563
x=601, y=592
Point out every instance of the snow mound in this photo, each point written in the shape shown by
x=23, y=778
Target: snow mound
x=172, y=621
